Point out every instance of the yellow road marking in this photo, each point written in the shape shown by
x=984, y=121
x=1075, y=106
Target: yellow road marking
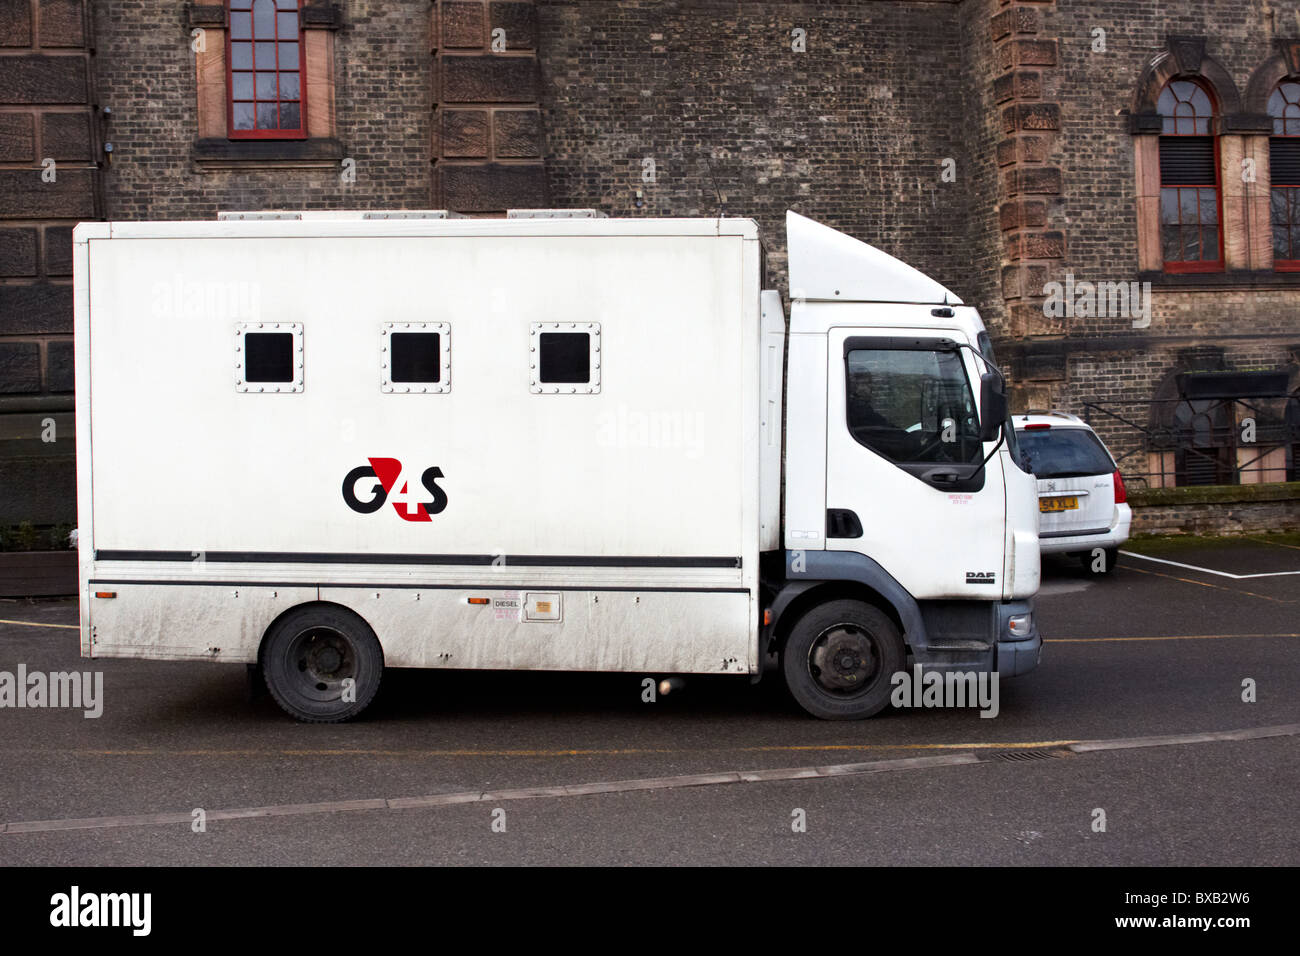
x=1206, y=584
x=70, y=627
x=1171, y=637
x=1276, y=544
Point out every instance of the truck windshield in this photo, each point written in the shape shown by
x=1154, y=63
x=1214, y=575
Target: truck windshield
x=912, y=406
x=1064, y=453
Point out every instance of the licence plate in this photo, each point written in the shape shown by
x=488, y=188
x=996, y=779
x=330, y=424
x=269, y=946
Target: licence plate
x=1058, y=504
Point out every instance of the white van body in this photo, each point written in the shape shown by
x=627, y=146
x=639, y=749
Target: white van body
x=630, y=521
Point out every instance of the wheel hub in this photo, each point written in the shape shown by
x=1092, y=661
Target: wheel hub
x=844, y=659
x=324, y=659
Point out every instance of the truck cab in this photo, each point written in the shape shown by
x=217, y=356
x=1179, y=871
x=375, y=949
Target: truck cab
x=910, y=530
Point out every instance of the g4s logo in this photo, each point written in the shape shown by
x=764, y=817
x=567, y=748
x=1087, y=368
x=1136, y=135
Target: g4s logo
x=390, y=475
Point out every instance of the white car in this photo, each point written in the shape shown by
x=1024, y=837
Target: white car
x=1082, y=502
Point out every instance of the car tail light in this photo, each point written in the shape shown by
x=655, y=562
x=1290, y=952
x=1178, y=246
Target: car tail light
x=1121, y=493
x=1040, y=425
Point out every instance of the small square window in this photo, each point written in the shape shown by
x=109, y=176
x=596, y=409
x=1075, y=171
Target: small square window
x=268, y=357
x=564, y=358
x=415, y=357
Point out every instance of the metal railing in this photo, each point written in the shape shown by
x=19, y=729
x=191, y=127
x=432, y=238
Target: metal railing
x=1165, y=443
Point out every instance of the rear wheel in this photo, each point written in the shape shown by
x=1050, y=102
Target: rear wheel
x=322, y=664
x=839, y=658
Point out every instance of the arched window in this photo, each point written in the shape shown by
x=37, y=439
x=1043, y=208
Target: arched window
x=1284, y=170
x=1191, y=237
x=265, y=66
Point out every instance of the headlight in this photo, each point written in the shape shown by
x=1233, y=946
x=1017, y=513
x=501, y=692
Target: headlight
x=1021, y=625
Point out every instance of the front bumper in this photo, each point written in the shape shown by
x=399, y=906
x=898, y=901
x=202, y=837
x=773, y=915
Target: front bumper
x=1022, y=655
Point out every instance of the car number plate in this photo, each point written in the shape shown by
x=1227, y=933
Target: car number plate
x=1058, y=504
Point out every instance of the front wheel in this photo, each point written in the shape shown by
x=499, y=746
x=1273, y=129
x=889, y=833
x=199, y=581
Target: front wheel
x=322, y=664
x=839, y=658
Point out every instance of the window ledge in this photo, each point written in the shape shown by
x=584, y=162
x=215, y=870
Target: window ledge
x=318, y=153
x=1220, y=281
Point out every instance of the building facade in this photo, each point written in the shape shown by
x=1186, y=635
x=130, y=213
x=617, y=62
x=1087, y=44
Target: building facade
x=1116, y=185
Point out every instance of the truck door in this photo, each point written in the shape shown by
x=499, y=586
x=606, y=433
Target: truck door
x=904, y=482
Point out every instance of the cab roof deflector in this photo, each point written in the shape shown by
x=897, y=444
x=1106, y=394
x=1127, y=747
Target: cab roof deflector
x=829, y=265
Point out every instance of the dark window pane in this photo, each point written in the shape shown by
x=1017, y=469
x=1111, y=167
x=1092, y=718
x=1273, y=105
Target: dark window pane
x=1191, y=243
x=241, y=84
x=1168, y=206
x=565, y=357
x=289, y=86
x=268, y=357
x=1171, y=248
x=243, y=115
x=1165, y=105
x=288, y=56
x=1210, y=243
x=1209, y=205
x=264, y=19
x=241, y=26
x=240, y=4
x=912, y=406
x=266, y=86
x=1278, y=206
x=287, y=4
x=266, y=116
x=265, y=56
x=416, y=356
x=1187, y=205
x=1281, y=249
x=288, y=26
x=241, y=56
x=290, y=116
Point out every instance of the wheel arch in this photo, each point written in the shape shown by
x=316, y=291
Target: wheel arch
x=816, y=577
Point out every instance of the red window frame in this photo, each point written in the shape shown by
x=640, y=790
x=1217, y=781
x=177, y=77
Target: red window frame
x=1281, y=122
x=280, y=7
x=1196, y=265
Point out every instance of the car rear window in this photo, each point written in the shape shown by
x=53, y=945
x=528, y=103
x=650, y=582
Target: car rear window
x=1064, y=453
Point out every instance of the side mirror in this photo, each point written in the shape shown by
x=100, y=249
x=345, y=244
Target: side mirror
x=993, y=406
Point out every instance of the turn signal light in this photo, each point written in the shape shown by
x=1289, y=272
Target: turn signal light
x=478, y=600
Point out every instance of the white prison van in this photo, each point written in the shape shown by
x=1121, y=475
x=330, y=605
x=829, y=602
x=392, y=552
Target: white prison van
x=326, y=444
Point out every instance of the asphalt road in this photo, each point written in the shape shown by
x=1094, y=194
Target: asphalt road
x=1158, y=648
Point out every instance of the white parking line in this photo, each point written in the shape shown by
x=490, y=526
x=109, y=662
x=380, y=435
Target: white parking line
x=1222, y=574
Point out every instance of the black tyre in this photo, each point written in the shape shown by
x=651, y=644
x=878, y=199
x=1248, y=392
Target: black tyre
x=308, y=656
x=1099, y=564
x=839, y=658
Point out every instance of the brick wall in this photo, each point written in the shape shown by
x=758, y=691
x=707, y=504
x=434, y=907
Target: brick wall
x=47, y=146
x=852, y=132
x=845, y=110
x=1253, y=319
x=383, y=101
